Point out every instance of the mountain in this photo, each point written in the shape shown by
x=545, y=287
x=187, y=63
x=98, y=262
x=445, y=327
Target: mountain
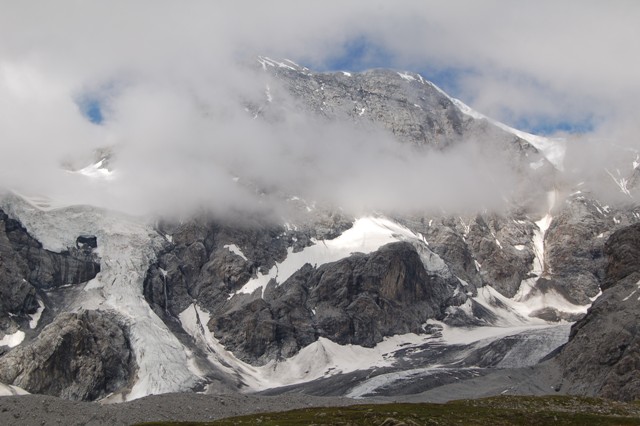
x=101, y=305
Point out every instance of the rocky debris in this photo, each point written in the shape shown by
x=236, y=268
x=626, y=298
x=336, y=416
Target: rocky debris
x=602, y=357
x=357, y=300
x=79, y=356
x=26, y=268
x=36, y=410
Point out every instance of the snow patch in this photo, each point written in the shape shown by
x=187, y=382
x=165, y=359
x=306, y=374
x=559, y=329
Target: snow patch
x=97, y=171
x=127, y=248
x=35, y=318
x=553, y=149
x=322, y=358
x=537, y=268
x=621, y=182
x=12, y=340
x=10, y=390
x=366, y=235
x=406, y=76
x=235, y=250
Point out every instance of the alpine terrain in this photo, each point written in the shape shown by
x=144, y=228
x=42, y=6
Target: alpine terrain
x=535, y=291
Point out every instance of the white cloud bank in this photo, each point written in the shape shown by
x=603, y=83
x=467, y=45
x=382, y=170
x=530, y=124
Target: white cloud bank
x=170, y=82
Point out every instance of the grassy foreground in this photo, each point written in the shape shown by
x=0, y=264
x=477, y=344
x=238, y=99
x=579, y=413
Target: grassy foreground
x=502, y=410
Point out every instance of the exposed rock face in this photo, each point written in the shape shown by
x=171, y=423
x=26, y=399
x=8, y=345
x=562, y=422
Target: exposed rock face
x=357, y=300
x=603, y=354
x=201, y=264
x=26, y=267
x=482, y=249
x=81, y=356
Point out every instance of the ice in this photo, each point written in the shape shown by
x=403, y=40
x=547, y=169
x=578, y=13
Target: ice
x=235, y=250
x=553, y=149
x=621, y=182
x=366, y=235
x=10, y=390
x=533, y=345
x=35, y=318
x=370, y=386
x=348, y=74
x=264, y=61
x=127, y=246
x=97, y=171
x=407, y=76
x=194, y=321
x=320, y=359
x=632, y=293
x=477, y=265
x=12, y=340
x=537, y=268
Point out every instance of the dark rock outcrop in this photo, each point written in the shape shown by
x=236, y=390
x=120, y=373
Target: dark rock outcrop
x=200, y=264
x=602, y=357
x=357, y=300
x=26, y=267
x=79, y=356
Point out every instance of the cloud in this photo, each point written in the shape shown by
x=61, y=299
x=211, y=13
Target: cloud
x=172, y=82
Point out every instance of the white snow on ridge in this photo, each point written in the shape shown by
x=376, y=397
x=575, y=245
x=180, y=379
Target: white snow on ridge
x=235, y=250
x=323, y=358
x=35, y=318
x=621, y=182
x=366, y=235
x=407, y=76
x=12, y=340
x=553, y=149
x=97, y=171
x=10, y=390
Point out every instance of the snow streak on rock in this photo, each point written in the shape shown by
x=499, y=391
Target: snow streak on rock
x=126, y=247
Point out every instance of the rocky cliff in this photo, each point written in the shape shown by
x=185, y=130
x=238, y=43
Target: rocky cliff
x=602, y=357
x=132, y=306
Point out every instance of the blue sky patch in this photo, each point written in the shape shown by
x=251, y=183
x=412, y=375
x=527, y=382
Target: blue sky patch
x=91, y=108
x=361, y=53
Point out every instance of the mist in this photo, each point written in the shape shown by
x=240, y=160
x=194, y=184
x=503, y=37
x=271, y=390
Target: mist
x=173, y=82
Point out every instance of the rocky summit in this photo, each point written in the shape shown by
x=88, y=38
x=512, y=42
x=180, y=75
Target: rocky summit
x=316, y=299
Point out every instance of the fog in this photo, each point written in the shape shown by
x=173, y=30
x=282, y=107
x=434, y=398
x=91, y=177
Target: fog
x=173, y=81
